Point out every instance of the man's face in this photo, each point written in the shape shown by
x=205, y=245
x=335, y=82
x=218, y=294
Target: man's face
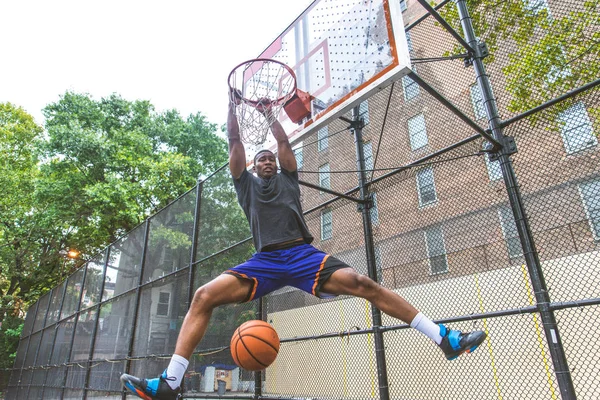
x=265, y=165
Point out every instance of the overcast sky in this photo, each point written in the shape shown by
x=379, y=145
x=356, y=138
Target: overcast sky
x=177, y=53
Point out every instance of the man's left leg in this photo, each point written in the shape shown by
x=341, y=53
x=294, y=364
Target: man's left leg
x=452, y=342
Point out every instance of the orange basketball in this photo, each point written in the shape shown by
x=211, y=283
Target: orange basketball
x=254, y=345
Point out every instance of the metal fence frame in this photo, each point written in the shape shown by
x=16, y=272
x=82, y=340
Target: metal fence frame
x=502, y=148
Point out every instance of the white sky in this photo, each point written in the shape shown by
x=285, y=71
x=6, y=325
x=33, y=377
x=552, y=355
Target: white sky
x=176, y=54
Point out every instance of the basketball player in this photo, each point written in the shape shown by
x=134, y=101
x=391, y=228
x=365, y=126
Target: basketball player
x=271, y=202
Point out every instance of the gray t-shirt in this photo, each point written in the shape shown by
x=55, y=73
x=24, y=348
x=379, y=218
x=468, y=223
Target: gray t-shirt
x=272, y=207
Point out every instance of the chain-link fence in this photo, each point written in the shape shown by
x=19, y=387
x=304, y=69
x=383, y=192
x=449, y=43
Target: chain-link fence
x=507, y=242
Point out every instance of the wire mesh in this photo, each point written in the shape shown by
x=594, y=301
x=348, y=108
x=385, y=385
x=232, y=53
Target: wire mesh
x=443, y=227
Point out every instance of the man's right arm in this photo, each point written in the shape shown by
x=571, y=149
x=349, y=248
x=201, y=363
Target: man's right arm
x=237, y=154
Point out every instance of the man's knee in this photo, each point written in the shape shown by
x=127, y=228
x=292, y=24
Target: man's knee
x=362, y=285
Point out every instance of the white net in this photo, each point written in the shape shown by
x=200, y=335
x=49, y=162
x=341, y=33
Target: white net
x=260, y=85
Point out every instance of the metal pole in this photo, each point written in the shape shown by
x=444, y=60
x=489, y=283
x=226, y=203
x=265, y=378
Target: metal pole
x=77, y=314
x=356, y=128
x=258, y=374
x=138, y=294
x=559, y=359
x=62, y=300
x=96, y=323
x=37, y=352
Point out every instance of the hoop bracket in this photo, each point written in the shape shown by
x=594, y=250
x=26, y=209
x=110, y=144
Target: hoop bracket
x=298, y=106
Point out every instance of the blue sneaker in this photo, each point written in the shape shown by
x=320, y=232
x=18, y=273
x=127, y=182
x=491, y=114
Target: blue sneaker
x=151, y=389
x=454, y=343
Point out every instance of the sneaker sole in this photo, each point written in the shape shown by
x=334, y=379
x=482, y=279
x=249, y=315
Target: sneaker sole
x=468, y=351
x=136, y=391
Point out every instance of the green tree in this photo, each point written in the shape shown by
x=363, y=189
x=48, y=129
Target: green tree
x=550, y=48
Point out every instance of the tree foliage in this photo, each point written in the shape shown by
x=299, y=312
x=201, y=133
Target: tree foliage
x=97, y=171
x=551, y=48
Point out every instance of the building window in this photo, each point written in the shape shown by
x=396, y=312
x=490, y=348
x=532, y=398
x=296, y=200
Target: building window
x=590, y=194
x=436, y=250
x=322, y=138
x=324, y=180
x=403, y=5
x=374, y=211
x=477, y=101
x=409, y=42
x=576, y=129
x=426, y=186
x=368, y=153
x=363, y=111
x=326, y=224
x=298, y=155
x=493, y=168
x=509, y=231
x=417, y=132
x=162, y=308
x=411, y=88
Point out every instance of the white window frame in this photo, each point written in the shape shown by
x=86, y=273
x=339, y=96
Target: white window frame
x=327, y=213
x=442, y=255
x=419, y=177
x=477, y=101
x=591, y=206
x=363, y=111
x=577, y=112
x=403, y=5
x=418, y=138
x=409, y=42
x=368, y=153
x=374, y=211
x=493, y=168
x=324, y=176
x=510, y=232
x=410, y=88
x=160, y=303
x=299, y=155
x=322, y=138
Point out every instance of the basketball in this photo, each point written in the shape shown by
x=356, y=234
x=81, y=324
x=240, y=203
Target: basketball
x=254, y=345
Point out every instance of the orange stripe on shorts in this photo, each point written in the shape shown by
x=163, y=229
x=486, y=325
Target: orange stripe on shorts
x=255, y=285
x=314, y=288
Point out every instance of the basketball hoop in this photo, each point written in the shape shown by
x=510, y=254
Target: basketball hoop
x=260, y=88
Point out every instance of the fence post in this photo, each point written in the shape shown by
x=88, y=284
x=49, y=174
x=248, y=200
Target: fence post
x=258, y=374
x=356, y=128
x=559, y=359
x=95, y=331
x=76, y=316
x=137, y=302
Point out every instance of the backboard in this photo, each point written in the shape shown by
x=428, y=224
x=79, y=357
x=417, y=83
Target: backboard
x=342, y=51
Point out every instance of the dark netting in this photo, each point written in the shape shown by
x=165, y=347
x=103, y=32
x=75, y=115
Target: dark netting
x=55, y=377
x=46, y=345
x=114, y=328
x=105, y=376
x=124, y=261
x=75, y=376
x=72, y=294
x=51, y=393
x=73, y=394
x=21, y=352
x=84, y=330
x=93, y=282
x=40, y=317
x=170, y=238
x=163, y=305
x=32, y=350
x=29, y=320
x=55, y=304
x=222, y=221
x=63, y=342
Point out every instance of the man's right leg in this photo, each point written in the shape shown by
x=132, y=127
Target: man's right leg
x=224, y=289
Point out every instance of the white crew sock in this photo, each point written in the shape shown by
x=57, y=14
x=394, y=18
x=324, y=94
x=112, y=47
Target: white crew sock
x=428, y=327
x=176, y=369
